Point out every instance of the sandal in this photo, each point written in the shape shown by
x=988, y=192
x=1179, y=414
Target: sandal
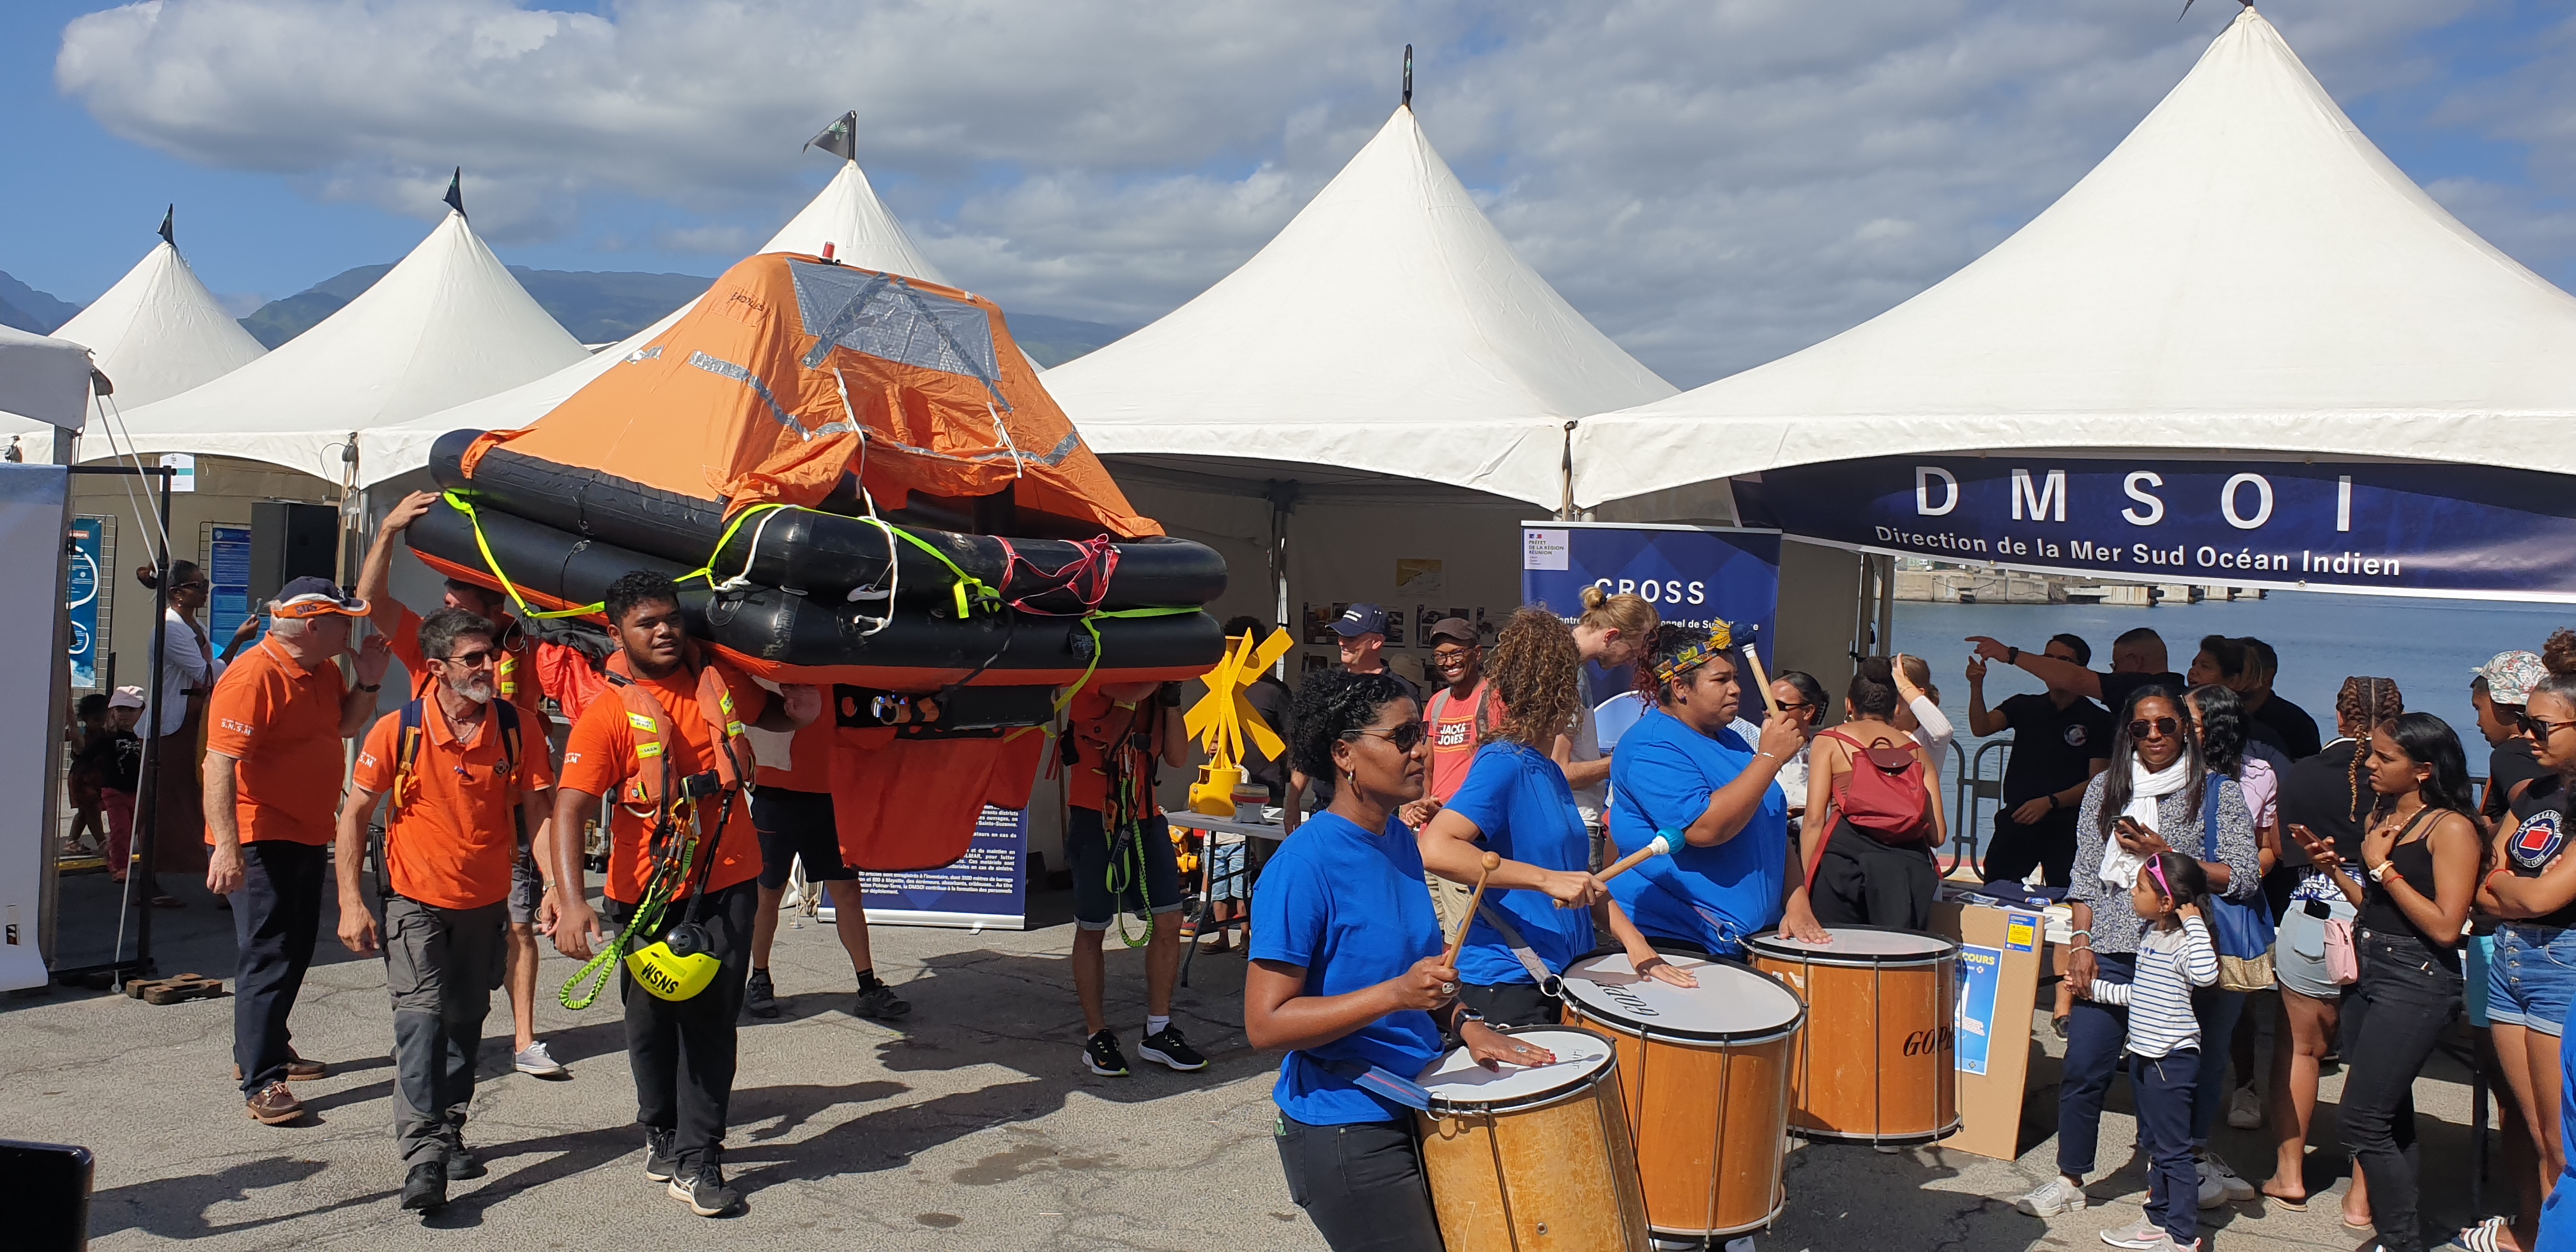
x=2486, y=1236
x=2299, y=1205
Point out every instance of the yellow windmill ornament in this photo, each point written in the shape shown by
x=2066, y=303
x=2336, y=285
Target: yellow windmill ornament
x=1224, y=719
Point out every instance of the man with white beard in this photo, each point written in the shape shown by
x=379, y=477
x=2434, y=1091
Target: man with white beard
x=458, y=769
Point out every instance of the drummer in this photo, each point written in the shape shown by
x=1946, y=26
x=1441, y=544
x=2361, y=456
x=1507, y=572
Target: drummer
x=1347, y=972
x=1682, y=773
x=1515, y=802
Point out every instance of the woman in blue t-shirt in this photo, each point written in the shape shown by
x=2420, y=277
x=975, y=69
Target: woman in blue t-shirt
x=1680, y=772
x=1515, y=802
x=1348, y=973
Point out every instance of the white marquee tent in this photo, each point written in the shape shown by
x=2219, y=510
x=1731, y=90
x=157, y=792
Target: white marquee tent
x=159, y=332
x=446, y=325
x=1389, y=329
x=2244, y=272
x=846, y=214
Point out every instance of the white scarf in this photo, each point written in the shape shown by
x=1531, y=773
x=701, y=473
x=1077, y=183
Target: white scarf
x=2119, y=865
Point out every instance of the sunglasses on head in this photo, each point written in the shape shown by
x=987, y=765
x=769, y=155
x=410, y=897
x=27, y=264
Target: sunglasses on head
x=1404, y=737
x=2147, y=727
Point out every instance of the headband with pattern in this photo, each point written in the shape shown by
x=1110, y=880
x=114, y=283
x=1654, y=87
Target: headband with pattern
x=1696, y=653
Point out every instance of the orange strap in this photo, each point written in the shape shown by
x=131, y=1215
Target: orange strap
x=650, y=724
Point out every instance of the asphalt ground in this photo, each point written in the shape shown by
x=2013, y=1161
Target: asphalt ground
x=972, y=1124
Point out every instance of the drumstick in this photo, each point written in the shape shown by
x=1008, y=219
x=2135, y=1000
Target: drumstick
x=1459, y=940
x=1658, y=846
x=1754, y=659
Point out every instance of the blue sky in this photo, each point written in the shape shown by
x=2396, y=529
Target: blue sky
x=1712, y=183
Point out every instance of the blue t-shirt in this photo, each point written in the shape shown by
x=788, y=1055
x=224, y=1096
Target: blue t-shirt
x=2558, y=1212
x=1520, y=803
x=1352, y=909
x=1661, y=779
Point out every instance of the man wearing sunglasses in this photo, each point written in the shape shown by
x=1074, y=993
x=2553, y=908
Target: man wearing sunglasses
x=2060, y=741
x=465, y=774
x=2137, y=660
x=514, y=678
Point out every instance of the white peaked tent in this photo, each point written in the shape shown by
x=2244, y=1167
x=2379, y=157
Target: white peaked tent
x=2244, y=272
x=159, y=332
x=446, y=325
x=847, y=214
x=1388, y=329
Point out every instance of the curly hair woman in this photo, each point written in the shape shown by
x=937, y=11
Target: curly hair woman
x=1348, y=974
x=1515, y=803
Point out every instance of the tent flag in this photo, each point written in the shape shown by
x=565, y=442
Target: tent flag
x=167, y=235
x=840, y=138
x=455, y=197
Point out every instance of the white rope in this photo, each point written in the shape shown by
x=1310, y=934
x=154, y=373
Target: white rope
x=1005, y=433
x=751, y=556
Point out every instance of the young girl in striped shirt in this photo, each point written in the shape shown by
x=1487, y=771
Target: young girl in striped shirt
x=2174, y=957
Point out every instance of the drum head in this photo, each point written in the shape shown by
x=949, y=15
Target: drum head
x=1612, y=717
x=1732, y=1002
x=1856, y=945
x=1456, y=1079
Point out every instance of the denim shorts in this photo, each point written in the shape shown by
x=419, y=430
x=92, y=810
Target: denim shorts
x=1088, y=846
x=2299, y=950
x=2531, y=978
x=1226, y=880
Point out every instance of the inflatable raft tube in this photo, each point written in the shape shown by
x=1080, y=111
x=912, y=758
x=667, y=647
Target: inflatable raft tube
x=818, y=552
x=787, y=637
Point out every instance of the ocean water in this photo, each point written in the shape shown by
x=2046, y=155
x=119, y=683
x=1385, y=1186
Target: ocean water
x=2427, y=646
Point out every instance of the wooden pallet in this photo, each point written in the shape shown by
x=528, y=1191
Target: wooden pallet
x=177, y=989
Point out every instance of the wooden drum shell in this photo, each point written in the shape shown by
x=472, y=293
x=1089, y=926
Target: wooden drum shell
x=1878, y=1063
x=1710, y=1124
x=1553, y=1175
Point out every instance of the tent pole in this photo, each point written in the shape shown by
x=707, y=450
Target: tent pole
x=1282, y=494
x=1565, y=510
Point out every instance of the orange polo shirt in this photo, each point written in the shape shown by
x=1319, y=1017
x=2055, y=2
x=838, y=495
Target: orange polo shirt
x=809, y=760
x=281, y=721
x=599, y=758
x=516, y=671
x=1095, y=723
x=452, y=846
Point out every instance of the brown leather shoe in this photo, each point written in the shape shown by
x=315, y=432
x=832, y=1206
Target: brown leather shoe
x=297, y=1069
x=275, y=1105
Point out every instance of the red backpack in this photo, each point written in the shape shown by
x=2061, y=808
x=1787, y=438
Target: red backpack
x=1884, y=796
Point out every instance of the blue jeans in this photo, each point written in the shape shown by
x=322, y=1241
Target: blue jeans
x=2164, y=1086
x=2531, y=977
x=276, y=915
x=2096, y=1036
x=2217, y=1011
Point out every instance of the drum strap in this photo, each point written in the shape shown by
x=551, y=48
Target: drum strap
x=1548, y=984
x=1379, y=1081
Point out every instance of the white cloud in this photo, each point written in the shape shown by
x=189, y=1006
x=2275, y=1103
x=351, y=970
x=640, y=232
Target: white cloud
x=1713, y=183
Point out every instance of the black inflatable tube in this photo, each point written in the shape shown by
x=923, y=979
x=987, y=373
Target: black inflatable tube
x=805, y=549
x=814, y=632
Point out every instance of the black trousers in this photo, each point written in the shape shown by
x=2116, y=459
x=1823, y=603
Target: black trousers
x=1362, y=1185
x=440, y=968
x=2405, y=1002
x=682, y=1051
x=2048, y=844
x=276, y=914
x=1508, y=1004
x=1862, y=882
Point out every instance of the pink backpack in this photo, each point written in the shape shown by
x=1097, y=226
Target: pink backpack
x=1884, y=796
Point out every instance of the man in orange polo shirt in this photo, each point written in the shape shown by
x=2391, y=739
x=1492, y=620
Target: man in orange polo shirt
x=465, y=788
x=515, y=678
x=273, y=767
x=681, y=1051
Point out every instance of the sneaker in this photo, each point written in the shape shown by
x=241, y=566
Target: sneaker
x=706, y=1194
x=275, y=1105
x=1101, y=1053
x=759, y=997
x=877, y=1000
x=2052, y=1198
x=2144, y=1235
x=1168, y=1047
x=661, y=1155
x=2236, y=1188
x=2245, y=1109
x=425, y=1187
x=536, y=1061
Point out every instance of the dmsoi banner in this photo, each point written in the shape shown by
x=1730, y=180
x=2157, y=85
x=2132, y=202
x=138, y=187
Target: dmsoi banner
x=2445, y=530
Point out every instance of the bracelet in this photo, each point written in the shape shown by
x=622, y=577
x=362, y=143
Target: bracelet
x=2087, y=932
x=1773, y=755
x=370, y=686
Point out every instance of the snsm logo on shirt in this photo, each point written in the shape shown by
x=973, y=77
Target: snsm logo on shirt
x=238, y=728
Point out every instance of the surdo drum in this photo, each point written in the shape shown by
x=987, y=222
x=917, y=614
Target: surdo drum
x=1524, y=1159
x=1878, y=1064
x=1705, y=1075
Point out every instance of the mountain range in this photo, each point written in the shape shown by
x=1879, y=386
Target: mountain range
x=595, y=306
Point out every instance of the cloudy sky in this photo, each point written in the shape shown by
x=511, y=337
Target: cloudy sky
x=1713, y=182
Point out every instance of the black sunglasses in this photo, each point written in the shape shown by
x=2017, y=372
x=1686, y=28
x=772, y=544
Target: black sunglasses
x=2146, y=726
x=1405, y=737
x=2540, y=727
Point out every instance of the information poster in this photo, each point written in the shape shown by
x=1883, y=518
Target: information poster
x=1693, y=575
x=987, y=887
x=83, y=589
x=1980, y=977
x=228, y=572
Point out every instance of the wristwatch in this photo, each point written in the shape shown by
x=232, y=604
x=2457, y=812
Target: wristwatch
x=370, y=686
x=2379, y=873
x=2012, y=656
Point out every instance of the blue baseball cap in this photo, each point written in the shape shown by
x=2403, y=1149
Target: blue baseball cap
x=1360, y=619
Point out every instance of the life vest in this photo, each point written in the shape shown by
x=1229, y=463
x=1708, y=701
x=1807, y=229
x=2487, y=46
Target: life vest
x=650, y=790
x=414, y=731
